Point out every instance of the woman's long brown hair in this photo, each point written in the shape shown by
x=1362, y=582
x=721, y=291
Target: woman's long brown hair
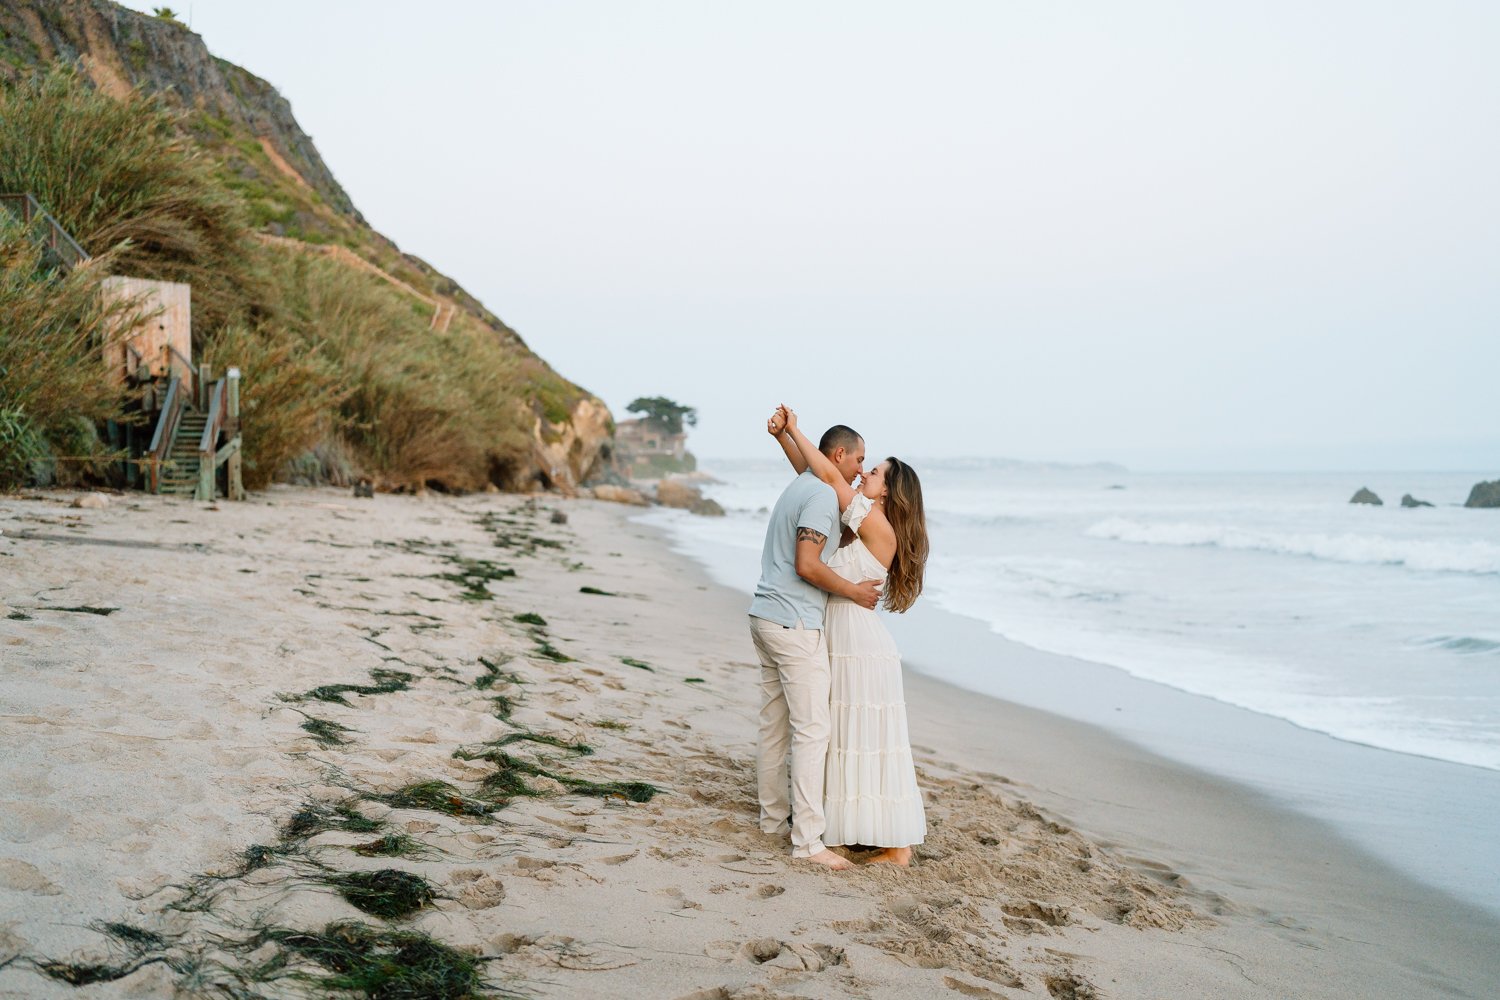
x=903, y=508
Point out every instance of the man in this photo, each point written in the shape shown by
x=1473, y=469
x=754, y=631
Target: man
x=786, y=625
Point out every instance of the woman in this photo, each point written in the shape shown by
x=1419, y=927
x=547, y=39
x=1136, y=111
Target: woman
x=870, y=794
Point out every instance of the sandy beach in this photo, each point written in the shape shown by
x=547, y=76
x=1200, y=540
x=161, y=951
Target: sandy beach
x=513, y=739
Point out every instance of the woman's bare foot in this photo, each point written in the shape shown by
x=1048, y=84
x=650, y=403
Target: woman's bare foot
x=828, y=859
x=892, y=856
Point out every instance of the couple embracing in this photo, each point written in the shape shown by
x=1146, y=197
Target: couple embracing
x=830, y=677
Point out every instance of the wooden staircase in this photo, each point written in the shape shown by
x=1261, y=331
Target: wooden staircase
x=180, y=472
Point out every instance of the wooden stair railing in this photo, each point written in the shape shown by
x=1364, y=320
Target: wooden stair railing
x=165, y=434
x=50, y=233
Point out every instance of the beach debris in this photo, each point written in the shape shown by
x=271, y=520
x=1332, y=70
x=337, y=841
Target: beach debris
x=597, y=591
x=373, y=962
x=393, y=845
x=328, y=734
x=389, y=893
x=544, y=648
x=474, y=575
x=433, y=796
x=318, y=817
x=1407, y=500
x=1365, y=495
x=559, y=517
x=386, y=682
x=91, y=501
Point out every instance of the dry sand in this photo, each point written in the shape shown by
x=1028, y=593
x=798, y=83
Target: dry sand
x=150, y=750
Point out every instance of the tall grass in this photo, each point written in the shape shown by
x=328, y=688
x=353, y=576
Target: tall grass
x=54, y=385
x=335, y=362
x=419, y=408
x=288, y=395
x=118, y=176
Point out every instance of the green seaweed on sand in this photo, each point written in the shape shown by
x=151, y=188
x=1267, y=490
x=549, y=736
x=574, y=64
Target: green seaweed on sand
x=530, y=618
x=434, y=796
x=596, y=590
x=317, y=817
x=86, y=609
x=545, y=649
x=328, y=734
x=474, y=575
x=614, y=724
x=631, y=661
x=386, y=682
x=374, y=962
x=694, y=680
x=393, y=845
x=504, y=706
x=388, y=893
x=143, y=947
x=581, y=749
x=506, y=782
x=635, y=791
x=494, y=674
x=19, y=616
x=136, y=939
x=87, y=973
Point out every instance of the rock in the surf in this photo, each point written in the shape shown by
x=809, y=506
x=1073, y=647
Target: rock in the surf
x=1365, y=495
x=1484, y=495
x=1407, y=500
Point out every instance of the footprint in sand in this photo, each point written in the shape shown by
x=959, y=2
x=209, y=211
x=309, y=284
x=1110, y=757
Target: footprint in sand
x=18, y=876
x=777, y=954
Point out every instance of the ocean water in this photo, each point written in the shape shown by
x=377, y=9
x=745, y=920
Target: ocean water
x=1375, y=625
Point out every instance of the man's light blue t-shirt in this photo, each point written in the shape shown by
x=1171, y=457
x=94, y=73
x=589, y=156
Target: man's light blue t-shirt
x=782, y=596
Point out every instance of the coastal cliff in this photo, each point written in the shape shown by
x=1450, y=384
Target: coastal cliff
x=291, y=201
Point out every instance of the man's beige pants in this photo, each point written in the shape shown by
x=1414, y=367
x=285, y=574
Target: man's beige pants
x=794, y=679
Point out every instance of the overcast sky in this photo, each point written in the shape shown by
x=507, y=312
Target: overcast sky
x=1174, y=235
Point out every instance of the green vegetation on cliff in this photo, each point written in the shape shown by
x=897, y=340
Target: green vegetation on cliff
x=357, y=359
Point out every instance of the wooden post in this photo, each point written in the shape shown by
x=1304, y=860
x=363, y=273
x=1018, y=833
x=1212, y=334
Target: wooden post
x=205, y=386
x=232, y=425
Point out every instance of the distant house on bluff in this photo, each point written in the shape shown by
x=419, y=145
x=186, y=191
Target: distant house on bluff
x=646, y=450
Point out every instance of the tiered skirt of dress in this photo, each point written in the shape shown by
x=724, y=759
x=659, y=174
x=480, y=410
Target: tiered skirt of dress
x=870, y=794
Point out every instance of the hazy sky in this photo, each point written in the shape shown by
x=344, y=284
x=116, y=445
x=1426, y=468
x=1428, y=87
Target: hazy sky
x=1168, y=234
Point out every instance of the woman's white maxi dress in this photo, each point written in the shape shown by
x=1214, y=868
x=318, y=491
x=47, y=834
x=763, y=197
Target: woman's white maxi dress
x=871, y=795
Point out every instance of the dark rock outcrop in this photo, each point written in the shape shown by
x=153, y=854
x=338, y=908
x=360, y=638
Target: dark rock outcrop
x=1484, y=495
x=1365, y=495
x=1408, y=500
x=676, y=493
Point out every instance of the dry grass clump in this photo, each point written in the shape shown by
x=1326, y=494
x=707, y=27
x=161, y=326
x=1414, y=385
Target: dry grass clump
x=119, y=176
x=53, y=388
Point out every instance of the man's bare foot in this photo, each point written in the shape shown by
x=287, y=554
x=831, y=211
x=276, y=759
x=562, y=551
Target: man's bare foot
x=829, y=859
x=892, y=856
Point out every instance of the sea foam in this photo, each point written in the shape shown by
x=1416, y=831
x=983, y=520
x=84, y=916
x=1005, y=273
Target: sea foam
x=1419, y=554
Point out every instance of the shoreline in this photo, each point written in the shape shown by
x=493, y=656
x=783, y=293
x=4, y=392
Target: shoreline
x=155, y=745
x=1425, y=817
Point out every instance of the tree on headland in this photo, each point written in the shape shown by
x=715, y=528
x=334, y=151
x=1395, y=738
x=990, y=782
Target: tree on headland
x=166, y=14
x=664, y=414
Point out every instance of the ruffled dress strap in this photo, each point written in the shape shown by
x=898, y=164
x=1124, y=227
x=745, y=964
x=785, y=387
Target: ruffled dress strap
x=854, y=514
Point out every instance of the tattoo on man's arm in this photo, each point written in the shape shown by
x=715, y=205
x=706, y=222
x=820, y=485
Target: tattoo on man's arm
x=810, y=535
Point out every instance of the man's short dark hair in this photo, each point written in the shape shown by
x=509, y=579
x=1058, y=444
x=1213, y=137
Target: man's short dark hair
x=839, y=436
